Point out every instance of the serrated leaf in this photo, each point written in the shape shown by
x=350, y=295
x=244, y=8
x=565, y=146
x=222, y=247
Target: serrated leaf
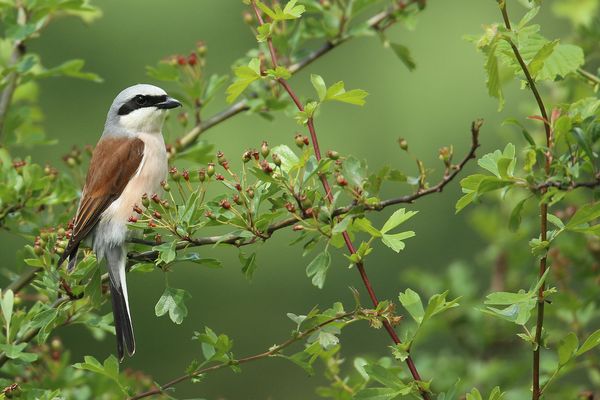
x=317, y=269
x=172, y=301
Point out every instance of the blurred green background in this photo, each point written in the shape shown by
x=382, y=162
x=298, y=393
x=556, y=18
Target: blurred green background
x=431, y=107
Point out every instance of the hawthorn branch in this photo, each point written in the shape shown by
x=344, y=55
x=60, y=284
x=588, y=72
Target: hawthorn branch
x=13, y=77
x=315, y=143
x=188, y=139
x=239, y=240
x=348, y=317
x=536, y=390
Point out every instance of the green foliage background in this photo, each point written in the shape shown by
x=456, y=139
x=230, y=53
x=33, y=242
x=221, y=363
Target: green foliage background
x=431, y=107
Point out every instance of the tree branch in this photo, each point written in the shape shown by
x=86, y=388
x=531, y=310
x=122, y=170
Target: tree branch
x=13, y=77
x=536, y=391
x=188, y=139
x=271, y=352
x=315, y=143
x=240, y=240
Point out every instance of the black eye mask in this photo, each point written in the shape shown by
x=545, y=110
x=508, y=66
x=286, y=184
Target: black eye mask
x=141, y=101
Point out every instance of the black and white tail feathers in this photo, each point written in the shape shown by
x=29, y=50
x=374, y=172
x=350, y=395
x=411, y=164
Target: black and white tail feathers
x=115, y=258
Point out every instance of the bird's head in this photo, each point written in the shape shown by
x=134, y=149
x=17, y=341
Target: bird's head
x=139, y=108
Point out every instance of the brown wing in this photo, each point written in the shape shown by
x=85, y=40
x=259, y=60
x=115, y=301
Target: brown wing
x=114, y=162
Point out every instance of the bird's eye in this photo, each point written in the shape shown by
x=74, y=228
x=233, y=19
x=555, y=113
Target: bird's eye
x=140, y=100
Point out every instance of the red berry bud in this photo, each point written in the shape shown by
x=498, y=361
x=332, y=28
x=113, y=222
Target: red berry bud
x=155, y=198
x=156, y=215
x=181, y=60
x=192, y=59
x=186, y=175
x=219, y=177
x=225, y=204
x=137, y=209
x=132, y=219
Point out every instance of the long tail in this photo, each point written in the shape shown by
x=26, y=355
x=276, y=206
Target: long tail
x=115, y=258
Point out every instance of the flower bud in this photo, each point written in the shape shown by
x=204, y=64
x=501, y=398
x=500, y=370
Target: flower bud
x=403, y=144
x=201, y=48
x=248, y=18
x=264, y=149
x=209, y=215
x=219, y=177
x=341, y=180
x=225, y=204
x=247, y=156
x=250, y=193
x=165, y=186
x=192, y=59
x=305, y=140
x=305, y=201
x=332, y=154
x=202, y=175
x=151, y=224
x=238, y=187
x=38, y=250
x=276, y=160
x=60, y=231
x=137, y=209
x=266, y=167
x=174, y=174
x=181, y=60
x=158, y=238
x=155, y=198
x=290, y=207
x=145, y=200
x=185, y=175
x=156, y=215
x=210, y=171
x=298, y=228
x=299, y=140
x=132, y=219
x=236, y=199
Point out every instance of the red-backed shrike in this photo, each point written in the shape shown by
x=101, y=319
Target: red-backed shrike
x=129, y=161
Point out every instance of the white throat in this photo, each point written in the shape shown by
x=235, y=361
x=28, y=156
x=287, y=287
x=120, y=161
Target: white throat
x=143, y=120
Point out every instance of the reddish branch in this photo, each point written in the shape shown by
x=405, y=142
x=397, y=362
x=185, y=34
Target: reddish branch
x=376, y=22
x=347, y=317
x=359, y=265
x=536, y=390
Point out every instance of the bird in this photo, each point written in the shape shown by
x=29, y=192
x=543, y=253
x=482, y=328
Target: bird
x=130, y=160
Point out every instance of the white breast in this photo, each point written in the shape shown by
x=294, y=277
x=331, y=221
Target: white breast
x=112, y=227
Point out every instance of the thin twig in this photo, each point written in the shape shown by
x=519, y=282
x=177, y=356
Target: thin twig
x=13, y=77
x=242, y=240
x=536, y=391
x=269, y=353
x=188, y=139
x=359, y=265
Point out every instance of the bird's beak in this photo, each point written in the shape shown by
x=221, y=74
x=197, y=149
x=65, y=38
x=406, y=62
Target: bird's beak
x=168, y=104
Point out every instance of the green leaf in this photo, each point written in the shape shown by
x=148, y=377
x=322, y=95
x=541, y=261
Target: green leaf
x=384, y=376
x=514, y=220
x=337, y=92
x=319, y=85
x=244, y=76
x=248, y=265
x=584, y=215
x=15, y=351
x=317, y=269
x=377, y=394
x=537, y=63
x=565, y=59
x=592, y=341
x=264, y=32
x=109, y=369
x=172, y=301
x=71, y=69
x=166, y=253
x=493, y=78
x=403, y=53
x=396, y=241
x=411, y=301
x=364, y=225
x=397, y=218
x=567, y=348
x=7, y=304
